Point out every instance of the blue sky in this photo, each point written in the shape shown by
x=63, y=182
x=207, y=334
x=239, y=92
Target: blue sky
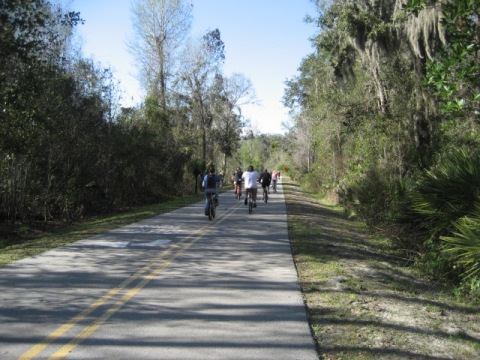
x=264, y=39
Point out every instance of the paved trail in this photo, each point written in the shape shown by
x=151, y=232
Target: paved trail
x=175, y=286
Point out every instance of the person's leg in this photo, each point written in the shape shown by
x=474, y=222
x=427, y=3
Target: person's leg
x=206, y=204
x=247, y=191
x=254, y=196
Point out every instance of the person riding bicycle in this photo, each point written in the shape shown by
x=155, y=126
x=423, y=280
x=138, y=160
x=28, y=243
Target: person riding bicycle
x=265, y=180
x=237, y=181
x=275, y=176
x=210, y=184
x=250, y=178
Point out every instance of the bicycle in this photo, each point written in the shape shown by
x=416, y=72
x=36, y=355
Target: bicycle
x=211, y=206
x=274, y=185
x=238, y=190
x=265, y=194
x=250, y=202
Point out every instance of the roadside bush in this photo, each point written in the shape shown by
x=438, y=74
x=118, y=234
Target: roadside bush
x=313, y=182
x=441, y=214
x=470, y=289
x=447, y=192
x=368, y=196
x=464, y=245
x=420, y=214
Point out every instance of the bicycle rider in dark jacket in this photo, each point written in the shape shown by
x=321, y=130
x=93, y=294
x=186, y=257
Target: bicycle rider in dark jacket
x=265, y=179
x=210, y=188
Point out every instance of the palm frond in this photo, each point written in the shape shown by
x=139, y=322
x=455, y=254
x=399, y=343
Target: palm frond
x=464, y=245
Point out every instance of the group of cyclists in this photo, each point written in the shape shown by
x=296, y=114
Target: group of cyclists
x=249, y=179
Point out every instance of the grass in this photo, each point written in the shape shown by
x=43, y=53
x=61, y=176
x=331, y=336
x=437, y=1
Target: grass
x=363, y=300
x=32, y=242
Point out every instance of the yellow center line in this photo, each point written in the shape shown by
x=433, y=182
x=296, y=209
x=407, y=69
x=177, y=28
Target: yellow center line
x=90, y=329
x=38, y=348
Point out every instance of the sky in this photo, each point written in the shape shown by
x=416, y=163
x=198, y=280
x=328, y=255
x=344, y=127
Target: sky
x=265, y=40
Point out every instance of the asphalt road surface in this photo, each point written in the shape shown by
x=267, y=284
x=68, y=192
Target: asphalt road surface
x=175, y=286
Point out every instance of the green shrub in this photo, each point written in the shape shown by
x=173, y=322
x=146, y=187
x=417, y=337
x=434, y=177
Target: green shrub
x=447, y=192
x=369, y=196
x=436, y=264
x=313, y=182
x=464, y=245
x=469, y=289
x=434, y=217
x=441, y=213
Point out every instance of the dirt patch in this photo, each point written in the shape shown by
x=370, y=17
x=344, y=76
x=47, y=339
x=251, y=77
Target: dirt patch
x=363, y=300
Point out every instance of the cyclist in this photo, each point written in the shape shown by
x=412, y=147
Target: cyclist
x=265, y=180
x=250, y=178
x=210, y=184
x=275, y=176
x=237, y=182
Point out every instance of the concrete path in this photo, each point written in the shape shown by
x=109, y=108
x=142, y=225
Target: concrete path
x=175, y=286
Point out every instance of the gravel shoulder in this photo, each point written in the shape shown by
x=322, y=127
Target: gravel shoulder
x=362, y=298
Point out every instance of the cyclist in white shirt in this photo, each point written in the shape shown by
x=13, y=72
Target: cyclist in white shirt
x=250, y=179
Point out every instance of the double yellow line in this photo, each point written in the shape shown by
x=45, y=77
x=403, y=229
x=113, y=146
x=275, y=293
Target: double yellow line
x=148, y=272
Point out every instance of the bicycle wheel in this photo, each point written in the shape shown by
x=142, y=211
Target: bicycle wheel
x=265, y=195
x=210, y=207
x=250, y=205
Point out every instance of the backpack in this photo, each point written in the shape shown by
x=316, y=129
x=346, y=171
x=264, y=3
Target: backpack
x=211, y=183
x=238, y=176
x=265, y=179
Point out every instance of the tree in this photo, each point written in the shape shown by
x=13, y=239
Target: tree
x=385, y=98
x=32, y=50
x=160, y=27
x=228, y=94
x=454, y=72
x=200, y=66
